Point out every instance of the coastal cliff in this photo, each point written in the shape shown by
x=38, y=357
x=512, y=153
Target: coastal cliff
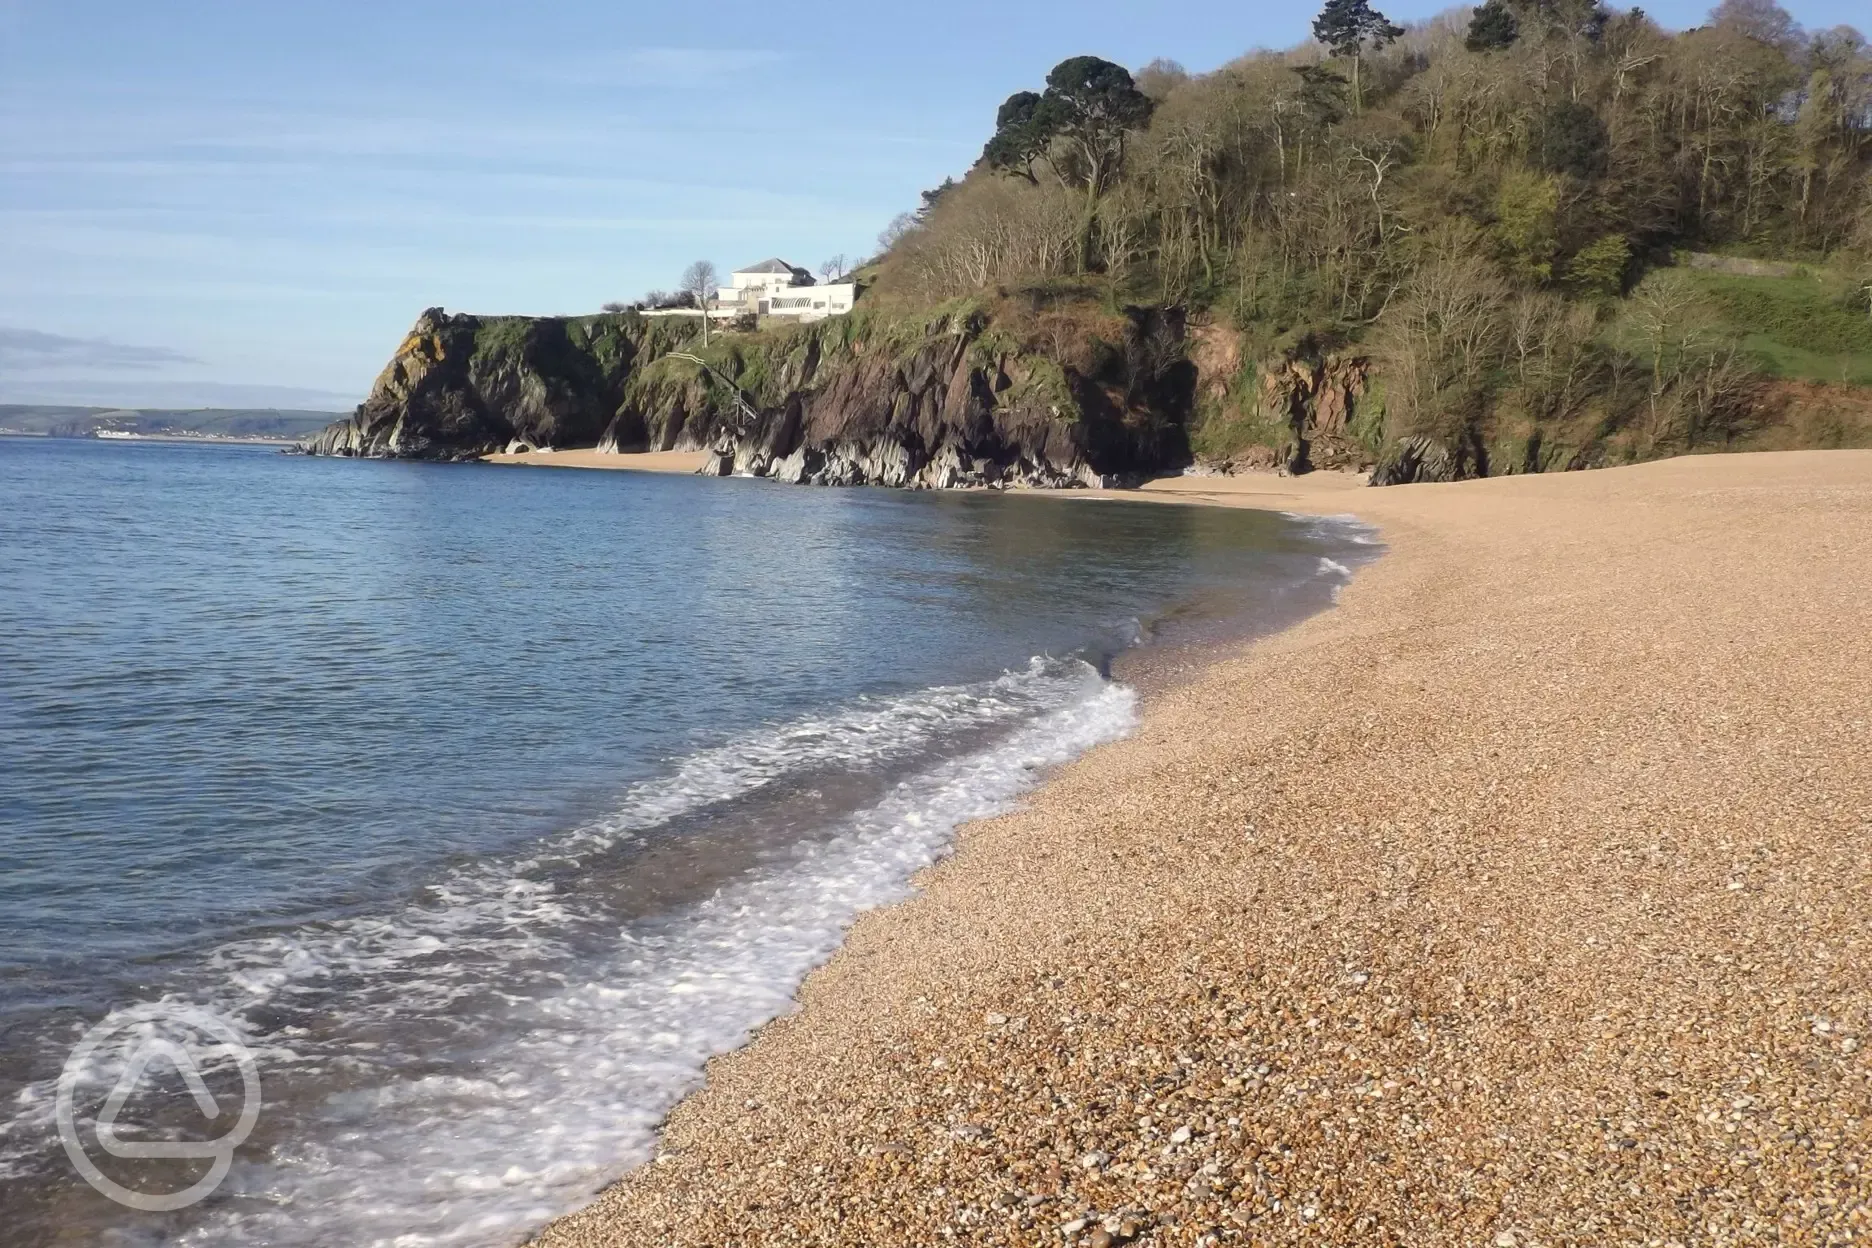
x=971, y=393
x=459, y=387
x=1023, y=389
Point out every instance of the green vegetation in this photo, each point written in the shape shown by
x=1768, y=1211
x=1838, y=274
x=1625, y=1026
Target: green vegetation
x=1483, y=210
x=1812, y=327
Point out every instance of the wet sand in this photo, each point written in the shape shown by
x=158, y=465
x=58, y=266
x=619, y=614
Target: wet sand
x=1523, y=898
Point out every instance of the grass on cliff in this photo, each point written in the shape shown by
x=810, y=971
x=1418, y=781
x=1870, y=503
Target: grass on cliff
x=1805, y=327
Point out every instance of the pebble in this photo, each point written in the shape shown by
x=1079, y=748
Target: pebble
x=1603, y=695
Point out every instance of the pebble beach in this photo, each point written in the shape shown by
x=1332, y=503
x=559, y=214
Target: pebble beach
x=1523, y=898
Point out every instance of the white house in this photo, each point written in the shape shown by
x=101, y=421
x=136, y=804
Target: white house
x=775, y=288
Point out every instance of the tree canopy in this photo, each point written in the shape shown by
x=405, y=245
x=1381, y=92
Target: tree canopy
x=1492, y=26
x=1350, y=28
x=1078, y=125
x=1480, y=228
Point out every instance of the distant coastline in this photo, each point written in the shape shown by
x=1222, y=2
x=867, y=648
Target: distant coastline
x=190, y=439
x=272, y=426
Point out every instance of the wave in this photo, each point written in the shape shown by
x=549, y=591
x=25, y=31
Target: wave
x=566, y=1032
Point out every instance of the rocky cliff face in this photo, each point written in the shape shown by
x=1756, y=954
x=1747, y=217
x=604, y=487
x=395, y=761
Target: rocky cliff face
x=1303, y=408
x=968, y=395
x=966, y=398
x=460, y=387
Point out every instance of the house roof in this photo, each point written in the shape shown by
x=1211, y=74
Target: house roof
x=771, y=265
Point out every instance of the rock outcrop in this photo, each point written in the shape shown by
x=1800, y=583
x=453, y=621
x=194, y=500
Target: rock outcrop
x=963, y=397
x=1314, y=396
x=962, y=401
x=1306, y=407
x=460, y=386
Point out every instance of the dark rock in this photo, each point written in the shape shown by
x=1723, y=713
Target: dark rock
x=948, y=401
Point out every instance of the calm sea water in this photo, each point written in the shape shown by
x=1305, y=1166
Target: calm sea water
x=485, y=804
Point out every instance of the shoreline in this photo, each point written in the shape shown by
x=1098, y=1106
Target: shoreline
x=1456, y=913
x=587, y=457
x=1233, y=491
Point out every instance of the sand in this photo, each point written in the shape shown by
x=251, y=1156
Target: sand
x=1524, y=898
x=630, y=461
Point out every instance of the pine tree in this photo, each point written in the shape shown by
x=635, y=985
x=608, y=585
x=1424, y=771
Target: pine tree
x=1492, y=27
x=1349, y=28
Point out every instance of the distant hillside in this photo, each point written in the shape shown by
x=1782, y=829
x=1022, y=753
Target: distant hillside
x=212, y=422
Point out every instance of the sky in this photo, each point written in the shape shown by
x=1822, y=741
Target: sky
x=247, y=204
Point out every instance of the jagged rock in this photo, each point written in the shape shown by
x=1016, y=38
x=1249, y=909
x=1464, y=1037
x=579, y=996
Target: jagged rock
x=460, y=387
x=1415, y=459
x=940, y=403
x=1315, y=395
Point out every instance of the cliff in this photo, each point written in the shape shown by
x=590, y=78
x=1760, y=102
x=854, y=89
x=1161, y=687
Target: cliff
x=459, y=387
x=974, y=393
x=1025, y=389
x=1296, y=410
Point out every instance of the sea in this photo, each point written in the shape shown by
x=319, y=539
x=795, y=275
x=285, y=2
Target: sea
x=419, y=831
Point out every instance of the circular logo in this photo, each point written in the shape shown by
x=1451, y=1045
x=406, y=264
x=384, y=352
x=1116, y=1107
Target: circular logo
x=158, y=1035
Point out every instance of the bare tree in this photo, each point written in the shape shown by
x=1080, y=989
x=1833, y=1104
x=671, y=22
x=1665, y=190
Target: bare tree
x=834, y=268
x=1670, y=319
x=900, y=225
x=699, y=281
x=1441, y=340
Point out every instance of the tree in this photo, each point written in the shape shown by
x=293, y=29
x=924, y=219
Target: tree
x=1348, y=28
x=1159, y=78
x=1019, y=139
x=1764, y=21
x=834, y=268
x=1079, y=125
x=1597, y=270
x=1440, y=343
x=699, y=282
x=932, y=197
x=1525, y=224
x=900, y=227
x=1322, y=95
x=616, y=306
x=1492, y=27
x=1570, y=138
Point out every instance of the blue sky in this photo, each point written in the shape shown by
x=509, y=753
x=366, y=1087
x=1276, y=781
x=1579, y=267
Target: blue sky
x=247, y=203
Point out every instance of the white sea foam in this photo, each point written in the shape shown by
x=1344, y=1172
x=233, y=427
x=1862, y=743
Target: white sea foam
x=561, y=1091
x=1341, y=528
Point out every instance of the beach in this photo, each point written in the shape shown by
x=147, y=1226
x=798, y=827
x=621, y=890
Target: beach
x=1522, y=898
x=634, y=461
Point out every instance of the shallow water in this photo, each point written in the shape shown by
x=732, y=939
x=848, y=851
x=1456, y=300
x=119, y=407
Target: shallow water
x=485, y=804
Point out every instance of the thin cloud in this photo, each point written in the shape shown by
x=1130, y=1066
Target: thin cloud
x=32, y=350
